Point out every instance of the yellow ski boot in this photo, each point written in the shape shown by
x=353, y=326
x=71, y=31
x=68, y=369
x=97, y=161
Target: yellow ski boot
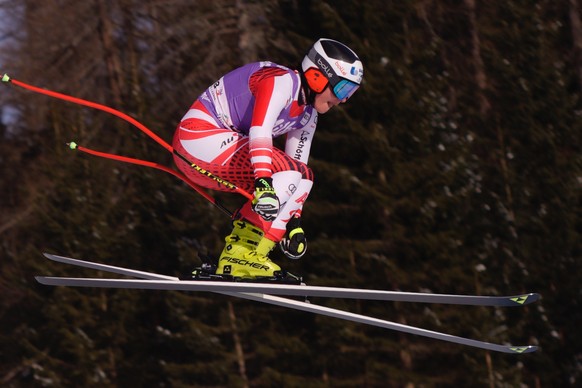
x=245, y=253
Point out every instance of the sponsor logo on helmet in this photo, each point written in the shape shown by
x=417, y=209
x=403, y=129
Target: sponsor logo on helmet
x=340, y=67
x=325, y=67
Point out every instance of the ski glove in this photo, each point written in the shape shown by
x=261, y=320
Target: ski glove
x=265, y=203
x=294, y=244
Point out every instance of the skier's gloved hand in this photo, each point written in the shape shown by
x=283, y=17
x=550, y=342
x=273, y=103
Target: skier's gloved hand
x=265, y=203
x=294, y=244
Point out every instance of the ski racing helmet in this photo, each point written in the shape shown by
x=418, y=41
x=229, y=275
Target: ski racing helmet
x=329, y=61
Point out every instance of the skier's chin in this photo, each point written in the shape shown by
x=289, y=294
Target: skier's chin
x=324, y=108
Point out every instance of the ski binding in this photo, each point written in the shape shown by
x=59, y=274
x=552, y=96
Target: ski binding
x=207, y=272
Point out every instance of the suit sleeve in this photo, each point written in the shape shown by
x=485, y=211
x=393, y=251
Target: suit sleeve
x=298, y=144
x=271, y=96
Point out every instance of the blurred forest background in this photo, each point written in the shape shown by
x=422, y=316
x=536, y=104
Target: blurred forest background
x=456, y=168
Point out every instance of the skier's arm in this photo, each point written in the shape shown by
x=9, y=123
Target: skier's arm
x=298, y=144
x=270, y=94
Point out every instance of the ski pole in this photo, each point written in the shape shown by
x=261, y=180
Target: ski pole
x=131, y=120
x=125, y=159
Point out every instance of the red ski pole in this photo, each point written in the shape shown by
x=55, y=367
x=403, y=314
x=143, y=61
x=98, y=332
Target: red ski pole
x=140, y=162
x=131, y=120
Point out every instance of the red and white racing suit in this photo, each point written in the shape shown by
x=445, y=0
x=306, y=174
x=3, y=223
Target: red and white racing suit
x=229, y=131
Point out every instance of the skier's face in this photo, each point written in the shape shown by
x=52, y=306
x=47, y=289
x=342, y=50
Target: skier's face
x=326, y=100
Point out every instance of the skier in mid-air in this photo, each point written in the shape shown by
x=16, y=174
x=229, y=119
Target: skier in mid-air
x=229, y=131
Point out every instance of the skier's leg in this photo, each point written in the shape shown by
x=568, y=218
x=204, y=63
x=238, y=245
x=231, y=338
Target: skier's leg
x=225, y=154
x=221, y=151
x=293, y=188
x=247, y=247
x=293, y=242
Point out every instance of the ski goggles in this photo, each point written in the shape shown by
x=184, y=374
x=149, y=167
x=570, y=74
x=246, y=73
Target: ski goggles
x=344, y=89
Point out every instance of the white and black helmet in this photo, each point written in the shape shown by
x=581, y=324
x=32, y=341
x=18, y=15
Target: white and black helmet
x=330, y=61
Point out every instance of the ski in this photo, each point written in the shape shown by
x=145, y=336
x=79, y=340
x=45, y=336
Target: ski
x=283, y=289
x=293, y=304
x=169, y=283
x=109, y=268
x=345, y=315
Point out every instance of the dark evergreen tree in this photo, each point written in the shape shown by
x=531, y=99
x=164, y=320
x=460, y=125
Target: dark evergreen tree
x=456, y=169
